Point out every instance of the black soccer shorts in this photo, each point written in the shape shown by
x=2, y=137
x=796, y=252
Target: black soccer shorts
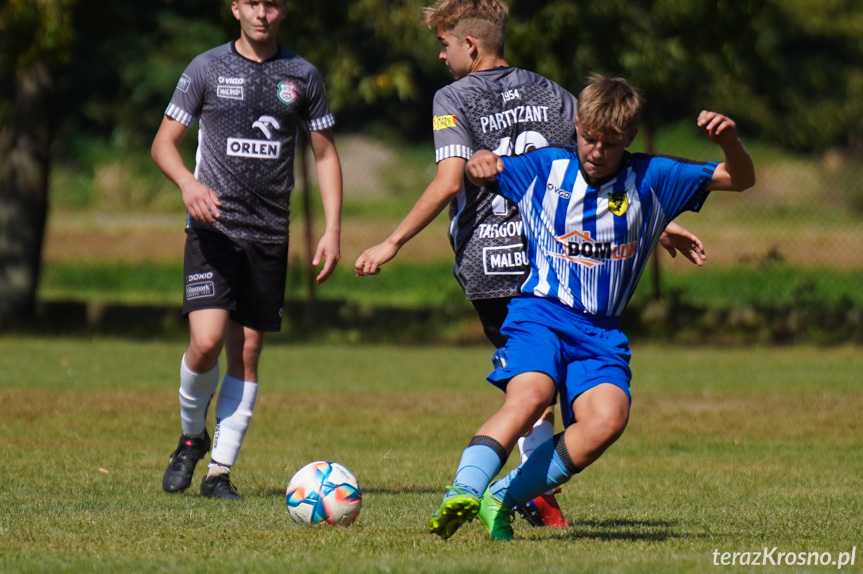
x=245, y=277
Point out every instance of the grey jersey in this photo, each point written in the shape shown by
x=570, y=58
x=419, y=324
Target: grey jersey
x=249, y=113
x=508, y=111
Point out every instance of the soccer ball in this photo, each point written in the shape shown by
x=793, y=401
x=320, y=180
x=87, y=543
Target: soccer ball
x=324, y=492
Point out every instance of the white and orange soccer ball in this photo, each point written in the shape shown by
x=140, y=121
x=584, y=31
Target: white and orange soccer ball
x=324, y=492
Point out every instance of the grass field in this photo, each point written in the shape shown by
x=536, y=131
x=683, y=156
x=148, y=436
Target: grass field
x=431, y=284
x=729, y=450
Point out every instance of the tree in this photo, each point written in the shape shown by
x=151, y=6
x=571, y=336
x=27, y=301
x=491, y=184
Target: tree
x=34, y=36
x=790, y=71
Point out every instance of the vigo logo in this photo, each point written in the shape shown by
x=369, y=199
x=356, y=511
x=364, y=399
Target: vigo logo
x=562, y=193
x=504, y=260
x=259, y=149
x=232, y=81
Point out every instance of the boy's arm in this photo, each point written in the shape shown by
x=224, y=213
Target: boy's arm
x=200, y=200
x=329, y=171
x=483, y=167
x=439, y=193
x=737, y=172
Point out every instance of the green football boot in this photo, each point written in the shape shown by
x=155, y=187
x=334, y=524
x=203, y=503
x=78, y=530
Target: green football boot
x=496, y=516
x=454, y=511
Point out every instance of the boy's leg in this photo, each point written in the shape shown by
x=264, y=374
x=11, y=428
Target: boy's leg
x=199, y=377
x=234, y=409
x=601, y=414
x=544, y=509
x=527, y=395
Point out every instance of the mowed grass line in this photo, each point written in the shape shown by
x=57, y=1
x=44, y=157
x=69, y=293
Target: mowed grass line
x=731, y=449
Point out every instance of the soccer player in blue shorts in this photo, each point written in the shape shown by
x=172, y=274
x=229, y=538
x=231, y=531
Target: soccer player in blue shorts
x=593, y=213
x=491, y=106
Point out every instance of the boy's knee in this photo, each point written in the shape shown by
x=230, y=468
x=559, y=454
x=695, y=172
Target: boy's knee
x=607, y=425
x=533, y=403
x=205, y=350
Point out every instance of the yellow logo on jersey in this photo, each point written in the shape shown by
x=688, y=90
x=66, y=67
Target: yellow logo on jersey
x=443, y=122
x=617, y=202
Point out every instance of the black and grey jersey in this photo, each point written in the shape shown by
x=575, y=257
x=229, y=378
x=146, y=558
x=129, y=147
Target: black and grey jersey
x=508, y=111
x=248, y=116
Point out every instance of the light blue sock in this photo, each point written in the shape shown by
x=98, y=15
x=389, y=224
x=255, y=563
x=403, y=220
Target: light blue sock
x=479, y=465
x=543, y=471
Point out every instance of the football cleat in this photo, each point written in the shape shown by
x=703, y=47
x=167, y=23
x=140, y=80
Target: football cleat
x=543, y=511
x=219, y=486
x=454, y=511
x=178, y=475
x=497, y=517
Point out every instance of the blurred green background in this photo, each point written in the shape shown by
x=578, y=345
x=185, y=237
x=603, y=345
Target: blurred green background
x=790, y=72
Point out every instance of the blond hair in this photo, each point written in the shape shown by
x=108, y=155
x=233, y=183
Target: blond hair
x=609, y=107
x=485, y=20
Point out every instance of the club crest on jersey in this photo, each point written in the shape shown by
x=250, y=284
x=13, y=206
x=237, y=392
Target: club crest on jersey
x=443, y=122
x=287, y=92
x=617, y=202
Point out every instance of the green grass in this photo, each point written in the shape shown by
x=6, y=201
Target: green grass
x=431, y=284
x=729, y=450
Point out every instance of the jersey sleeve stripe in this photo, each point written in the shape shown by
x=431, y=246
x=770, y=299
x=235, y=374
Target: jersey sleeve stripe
x=323, y=123
x=180, y=115
x=449, y=151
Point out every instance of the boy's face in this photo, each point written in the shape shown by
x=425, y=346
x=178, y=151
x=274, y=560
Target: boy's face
x=600, y=155
x=456, y=52
x=259, y=19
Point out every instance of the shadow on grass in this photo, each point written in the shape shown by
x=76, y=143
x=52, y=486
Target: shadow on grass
x=627, y=530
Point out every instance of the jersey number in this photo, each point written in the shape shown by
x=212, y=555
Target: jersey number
x=524, y=142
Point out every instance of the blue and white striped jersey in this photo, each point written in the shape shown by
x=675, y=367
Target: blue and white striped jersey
x=587, y=246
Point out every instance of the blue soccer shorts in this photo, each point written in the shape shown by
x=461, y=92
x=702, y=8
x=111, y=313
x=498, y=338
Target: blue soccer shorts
x=577, y=351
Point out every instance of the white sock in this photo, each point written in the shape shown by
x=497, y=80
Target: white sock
x=215, y=468
x=541, y=432
x=196, y=390
x=233, y=414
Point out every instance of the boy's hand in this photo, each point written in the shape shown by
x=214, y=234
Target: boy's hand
x=328, y=252
x=720, y=129
x=369, y=263
x=675, y=238
x=737, y=172
x=483, y=167
x=201, y=202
